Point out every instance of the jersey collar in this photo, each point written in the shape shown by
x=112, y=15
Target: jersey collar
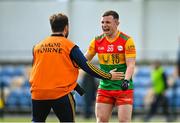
x=57, y=35
x=115, y=38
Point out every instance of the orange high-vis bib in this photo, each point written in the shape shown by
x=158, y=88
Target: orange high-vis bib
x=53, y=74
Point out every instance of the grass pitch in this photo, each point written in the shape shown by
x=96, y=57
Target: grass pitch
x=79, y=118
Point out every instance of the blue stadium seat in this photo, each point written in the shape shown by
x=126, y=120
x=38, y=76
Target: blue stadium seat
x=79, y=102
x=19, y=70
x=178, y=92
x=5, y=81
x=138, y=103
x=140, y=92
x=177, y=100
x=25, y=101
x=177, y=82
x=169, y=95
x=143, y=71
x=177, y=97
x=169, y=70
x=13, y=99
x=10, y=70
x=19, y=98
x=78, y=99
x=26, y=84
x=142, y=81
x=26, y=92
x=7, y=70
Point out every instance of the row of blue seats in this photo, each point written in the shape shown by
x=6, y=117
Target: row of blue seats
x=138, y=81
x=146, y=70
x=11, y=70
x=6, y=81
x=172, y=94
x=19, y=98
x=142, y=76
x=22, y=98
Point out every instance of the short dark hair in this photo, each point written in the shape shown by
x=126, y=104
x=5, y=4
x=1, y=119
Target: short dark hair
x=58, y=22
x=112, y=13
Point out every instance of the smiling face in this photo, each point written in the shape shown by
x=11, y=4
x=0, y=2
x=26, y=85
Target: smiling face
x=109, y=25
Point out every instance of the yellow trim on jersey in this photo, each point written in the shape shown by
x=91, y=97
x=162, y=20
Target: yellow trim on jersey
x=91, y=49
x=99, y=72
x=130, y=50
x=111, y=59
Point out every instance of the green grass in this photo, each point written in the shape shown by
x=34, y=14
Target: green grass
x=50, y=118
x=79, y=118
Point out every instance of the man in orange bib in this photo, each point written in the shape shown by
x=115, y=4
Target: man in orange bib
x=56, y=60
x=115, y=49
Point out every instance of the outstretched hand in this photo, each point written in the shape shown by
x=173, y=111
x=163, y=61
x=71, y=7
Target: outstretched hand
x=117, y=75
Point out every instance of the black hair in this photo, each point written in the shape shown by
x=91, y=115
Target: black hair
x=58, y=22
x=112, y=13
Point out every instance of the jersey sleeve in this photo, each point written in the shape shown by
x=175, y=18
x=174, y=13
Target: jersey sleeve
x=77, y=56
x=130, y=49
x=91, y=49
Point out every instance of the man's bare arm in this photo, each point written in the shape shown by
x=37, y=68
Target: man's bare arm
x=130, y=62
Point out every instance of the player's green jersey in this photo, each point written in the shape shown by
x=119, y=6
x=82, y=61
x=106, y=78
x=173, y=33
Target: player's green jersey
x=112, y=54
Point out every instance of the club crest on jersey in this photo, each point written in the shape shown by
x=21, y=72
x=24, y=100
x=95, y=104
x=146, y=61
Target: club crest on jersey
x=120, y=48
x=110, y=48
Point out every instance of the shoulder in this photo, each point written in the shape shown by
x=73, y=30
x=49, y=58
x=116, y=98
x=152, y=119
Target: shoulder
x=124, y=36
x=41, y=42
x=67, y=42
x=99, y=37
x=127, y=38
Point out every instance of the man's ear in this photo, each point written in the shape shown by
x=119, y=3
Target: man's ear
x=66, y=31
x=117, y=22
x=66, y=28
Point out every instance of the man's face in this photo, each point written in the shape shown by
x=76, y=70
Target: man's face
x=109, y=25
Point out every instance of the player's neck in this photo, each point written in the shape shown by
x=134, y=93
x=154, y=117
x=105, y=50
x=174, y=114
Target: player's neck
x=111, y=37
x=58, y=33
